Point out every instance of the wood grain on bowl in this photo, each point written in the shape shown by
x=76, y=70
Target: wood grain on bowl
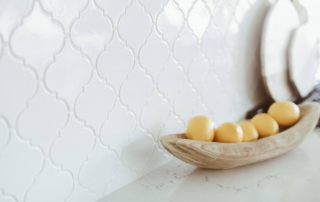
x=216, y=155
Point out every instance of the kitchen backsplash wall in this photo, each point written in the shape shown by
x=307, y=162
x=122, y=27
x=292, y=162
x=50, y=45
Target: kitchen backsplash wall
x=87, y=88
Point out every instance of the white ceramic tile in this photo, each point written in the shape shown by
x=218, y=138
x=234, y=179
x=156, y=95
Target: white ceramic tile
x=184, y=5
x=19, y=164
x=68, y=74
x=156, y=159
x=89, y=87
x=212, y=42
x=227, y=75
x=66, y=12
x=217, y=100
x=4, y=131
x=51, y=185
x=72, y=146
x=138, y=151
x=79, y=194
x=234, y=3
x=199, y=18
x=172, y=126
x=136, y=90
x=170, y=80
x=37, y=39
x=211, y=5
x=114, y=136
x=1, y=45
x=170, y=22
x=232, y=37
x=202, y=109
x=95, y=102
x=96, y=172
x=153, y=55
x=91, y=37
x=223, y=16
x=135, y=26
x=113, y=8
x=198, y=71
x=123, y=176
x=223, y=63
x=185, y=47
x=115, y=63
x=185, y=102
x=17, y=85
x=44, y=115
x=10, y=13
x=154, y=114
x=5, y=198
x=153, y=7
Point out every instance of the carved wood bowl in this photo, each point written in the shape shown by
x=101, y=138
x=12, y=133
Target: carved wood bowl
x=216, y=155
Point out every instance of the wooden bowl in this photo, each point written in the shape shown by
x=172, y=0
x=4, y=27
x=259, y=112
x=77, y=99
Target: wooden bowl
x=216, y=155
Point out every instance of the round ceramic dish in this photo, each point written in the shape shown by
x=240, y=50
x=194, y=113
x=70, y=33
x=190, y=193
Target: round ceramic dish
x=280, y=21
x=216, y=155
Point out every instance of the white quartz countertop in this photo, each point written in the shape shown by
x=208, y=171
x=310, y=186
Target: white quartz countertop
x=294, y=176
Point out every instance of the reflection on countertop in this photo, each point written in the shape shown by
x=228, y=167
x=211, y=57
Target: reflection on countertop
x=294, y=176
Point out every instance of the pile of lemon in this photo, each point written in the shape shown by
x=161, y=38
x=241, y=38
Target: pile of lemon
x=280, y=114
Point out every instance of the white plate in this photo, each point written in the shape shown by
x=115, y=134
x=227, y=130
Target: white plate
x=280, y=21
x=303, y=59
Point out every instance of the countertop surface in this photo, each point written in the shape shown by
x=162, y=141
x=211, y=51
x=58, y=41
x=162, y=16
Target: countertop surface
x=294, y=176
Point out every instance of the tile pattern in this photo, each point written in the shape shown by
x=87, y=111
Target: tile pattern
x=88, y=87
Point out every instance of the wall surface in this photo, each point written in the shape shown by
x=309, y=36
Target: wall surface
x=88, y=87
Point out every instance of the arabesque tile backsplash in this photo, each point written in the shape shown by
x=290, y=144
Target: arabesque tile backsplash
x=88, y=87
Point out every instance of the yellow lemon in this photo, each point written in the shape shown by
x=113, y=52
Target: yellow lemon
x=250, y=133
x=200, y=128
x=229, y=133
x=265, y=125
x=286, y=113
